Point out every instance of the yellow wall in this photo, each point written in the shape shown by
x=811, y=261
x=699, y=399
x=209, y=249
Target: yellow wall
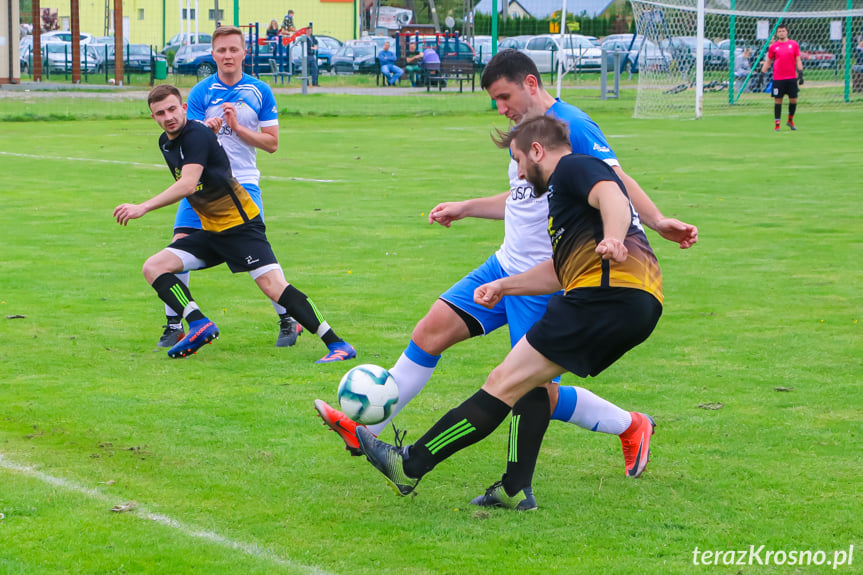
x=330, y=18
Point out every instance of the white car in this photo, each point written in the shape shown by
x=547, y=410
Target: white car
x=65, y=36
x=578, y=53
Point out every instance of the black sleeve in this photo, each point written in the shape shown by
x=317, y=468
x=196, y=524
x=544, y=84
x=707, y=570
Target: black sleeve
x=196, y=145
x=580, y=173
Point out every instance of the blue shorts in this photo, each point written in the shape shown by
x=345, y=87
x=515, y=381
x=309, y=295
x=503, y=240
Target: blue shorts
x=520, y=312
x=187, y=220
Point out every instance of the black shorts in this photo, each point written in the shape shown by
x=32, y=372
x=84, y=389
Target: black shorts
x=588, y=329
x=244, y=248
x=784, y=88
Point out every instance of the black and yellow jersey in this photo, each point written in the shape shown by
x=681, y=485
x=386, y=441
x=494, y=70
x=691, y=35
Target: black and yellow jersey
x=575, y=228
x=219, y=199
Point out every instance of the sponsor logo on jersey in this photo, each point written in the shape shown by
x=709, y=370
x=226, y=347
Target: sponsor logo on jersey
x=603, y=149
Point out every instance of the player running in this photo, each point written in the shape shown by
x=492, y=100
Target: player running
x=242, y=111
x=233, y=231
x=512, y=80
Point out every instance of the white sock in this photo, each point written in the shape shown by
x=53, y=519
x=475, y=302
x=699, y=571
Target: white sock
x=183, y=277
x=585, y=409
x=412, y=371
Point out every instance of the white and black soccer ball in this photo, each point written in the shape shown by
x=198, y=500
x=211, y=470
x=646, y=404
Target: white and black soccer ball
x=368, y=394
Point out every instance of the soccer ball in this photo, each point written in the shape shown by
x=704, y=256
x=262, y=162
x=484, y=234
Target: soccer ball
x=368, y=393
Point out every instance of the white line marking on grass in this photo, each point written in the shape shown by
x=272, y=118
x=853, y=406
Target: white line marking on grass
x=158, y=166
x=142, y=513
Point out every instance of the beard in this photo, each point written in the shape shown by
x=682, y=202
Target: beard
x=534, y=176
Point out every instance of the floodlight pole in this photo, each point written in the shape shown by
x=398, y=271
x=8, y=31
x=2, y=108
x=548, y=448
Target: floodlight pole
x=699, y=61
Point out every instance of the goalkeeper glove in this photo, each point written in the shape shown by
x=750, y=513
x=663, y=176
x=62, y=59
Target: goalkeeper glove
x=800, y=77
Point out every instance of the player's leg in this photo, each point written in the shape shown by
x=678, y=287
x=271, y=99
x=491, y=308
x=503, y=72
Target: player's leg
x=452, y=318
x=186, y=221
x=289, y=329
x=777, y=111
x=523, y=369
x=272, y=282
x=159, y=271
x=792, y=104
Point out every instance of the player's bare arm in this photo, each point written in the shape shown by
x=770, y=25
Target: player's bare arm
x=180, y=189
x=686, y=235
x=538, y=280
x=488, y=208
x=267, y=139
x=616, y=219
x=766, y=66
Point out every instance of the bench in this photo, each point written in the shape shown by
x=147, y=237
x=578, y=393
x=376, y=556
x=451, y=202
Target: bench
x=274, y=72
x=451, y=69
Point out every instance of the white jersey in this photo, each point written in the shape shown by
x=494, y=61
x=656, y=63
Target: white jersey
x=256, y=108
x=525, y=240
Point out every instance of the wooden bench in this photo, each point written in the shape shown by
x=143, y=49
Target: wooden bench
x=451, y=69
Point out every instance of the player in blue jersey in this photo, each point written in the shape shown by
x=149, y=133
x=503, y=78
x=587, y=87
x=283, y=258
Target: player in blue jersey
x=242, y=111
x=513, y=81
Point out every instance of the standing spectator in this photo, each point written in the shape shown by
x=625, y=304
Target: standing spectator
x=742, y=67
x=784, y=54
x=312, y=54
x=391, y=72
x=273, y=31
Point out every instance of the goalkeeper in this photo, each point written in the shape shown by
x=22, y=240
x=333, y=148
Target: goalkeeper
x=784, y=54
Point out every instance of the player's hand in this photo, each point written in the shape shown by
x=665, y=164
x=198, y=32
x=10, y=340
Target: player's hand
x=230, y=114
x=612, y=249
x=800, y=77
x=487, y=295
x=125, y=212
x=446, y=213
x=676, y=231
x=214, y=124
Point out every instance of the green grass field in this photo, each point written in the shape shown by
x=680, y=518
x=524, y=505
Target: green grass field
x=221, y=457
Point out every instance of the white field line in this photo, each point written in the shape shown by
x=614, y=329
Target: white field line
x=141, y=512
x=159, y=166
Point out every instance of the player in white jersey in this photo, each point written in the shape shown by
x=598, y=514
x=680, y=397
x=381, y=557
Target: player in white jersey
x=242, y=111
x=512, y=80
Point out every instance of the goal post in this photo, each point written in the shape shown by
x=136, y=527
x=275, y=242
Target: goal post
x=704, y=57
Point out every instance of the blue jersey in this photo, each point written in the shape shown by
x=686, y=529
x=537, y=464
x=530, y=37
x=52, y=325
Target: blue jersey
x=256, y=108
x=525, y=239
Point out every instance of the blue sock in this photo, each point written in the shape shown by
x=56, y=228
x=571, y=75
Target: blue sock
x=567, y=399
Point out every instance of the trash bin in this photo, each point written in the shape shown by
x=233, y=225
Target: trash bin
x=160, y=68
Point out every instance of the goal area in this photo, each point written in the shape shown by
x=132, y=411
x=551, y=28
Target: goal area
x=704, y=57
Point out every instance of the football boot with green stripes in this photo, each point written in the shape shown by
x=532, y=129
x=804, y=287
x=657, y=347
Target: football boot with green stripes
x=496, y=496
x=387, y=459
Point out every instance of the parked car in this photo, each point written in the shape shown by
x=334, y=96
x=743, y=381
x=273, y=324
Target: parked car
x=482, y=48
x=327, y=47
x=65, y=36
x=725, y=47
x=195, y=59
x=136, y=57
x=642, y=54
x=355, y=57
x=178, y=40
x=683, y=50
x=578, y=52
x=57, y=58
x=513, y=43
x=451, y=47
x=815, y=56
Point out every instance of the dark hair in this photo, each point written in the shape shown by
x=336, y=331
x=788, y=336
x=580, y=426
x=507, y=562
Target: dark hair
x=549, y=132
x=511, y=65
x=161, y=92
x=782, y=26
x=227, y=31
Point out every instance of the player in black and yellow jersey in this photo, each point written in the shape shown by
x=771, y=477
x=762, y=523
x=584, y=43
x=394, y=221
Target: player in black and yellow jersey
x=612, y=301
x=233, y=230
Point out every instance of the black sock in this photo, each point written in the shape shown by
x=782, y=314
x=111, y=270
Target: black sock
x=468, y=423
x=530, y=417
x=302, y=309
x=777, y=111
x=174, y=320
x=177, y=296
x=792, y=108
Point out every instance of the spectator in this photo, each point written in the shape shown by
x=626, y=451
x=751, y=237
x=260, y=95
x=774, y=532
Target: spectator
x=288, y=23
x=431, y=60
x=387, y=58
x=742, y=65
x=414, y=61
x=273, y=31
x=312, y=54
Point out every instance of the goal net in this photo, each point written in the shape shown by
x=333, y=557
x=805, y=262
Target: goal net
x=735, y=38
